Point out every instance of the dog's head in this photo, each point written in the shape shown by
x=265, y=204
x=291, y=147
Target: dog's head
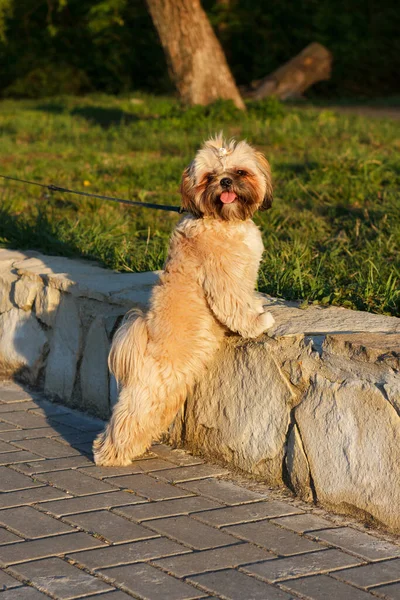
x=227, y=180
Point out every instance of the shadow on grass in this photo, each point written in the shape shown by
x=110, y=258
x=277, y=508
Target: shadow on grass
x=40, y=234
x=98, y=115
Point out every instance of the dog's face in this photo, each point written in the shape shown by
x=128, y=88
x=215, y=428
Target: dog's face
x=227, y=181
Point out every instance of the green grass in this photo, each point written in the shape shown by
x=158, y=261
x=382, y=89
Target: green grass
x=332, y=236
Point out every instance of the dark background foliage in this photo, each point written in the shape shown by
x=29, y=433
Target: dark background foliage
x=77, y=46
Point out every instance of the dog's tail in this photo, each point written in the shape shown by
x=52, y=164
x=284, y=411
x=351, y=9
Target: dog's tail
x=128, y=348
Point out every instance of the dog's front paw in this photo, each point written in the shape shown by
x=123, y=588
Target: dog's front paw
x=266, y=321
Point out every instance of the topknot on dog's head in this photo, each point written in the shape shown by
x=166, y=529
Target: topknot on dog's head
x=227, y=180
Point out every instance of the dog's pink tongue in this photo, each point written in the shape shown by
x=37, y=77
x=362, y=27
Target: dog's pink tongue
x=228, y=197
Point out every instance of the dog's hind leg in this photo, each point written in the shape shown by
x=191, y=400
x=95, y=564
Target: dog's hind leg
x=139, y=417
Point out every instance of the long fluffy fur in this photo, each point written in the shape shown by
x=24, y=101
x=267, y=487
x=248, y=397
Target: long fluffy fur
x=206, y=289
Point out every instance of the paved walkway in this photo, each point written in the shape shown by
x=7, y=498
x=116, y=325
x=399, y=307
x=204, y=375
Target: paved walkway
x=170, y=527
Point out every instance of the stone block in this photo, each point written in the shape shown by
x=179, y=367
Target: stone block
x=7, y=280
x=145, y=581
x=25, y=291
x=65, y=350
x=60, y=579
x=297, y=466
x=46, y=305
x=351, y=436
x=23, y=345
x=190, y=532
x=240, y=410
x=303, y=564
x=94, y=370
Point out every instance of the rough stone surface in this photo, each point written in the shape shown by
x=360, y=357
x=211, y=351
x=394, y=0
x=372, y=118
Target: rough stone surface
x=87, y=279
x=7, y=280
x=46, y=305
x=64, y=350
x=240, y=411
x=23, y=344
x=297, y=466
x=25, y=292
x=94, y=371
x=351, y=436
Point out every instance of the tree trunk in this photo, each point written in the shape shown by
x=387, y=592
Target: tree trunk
x=293, y=78
x=196, y=60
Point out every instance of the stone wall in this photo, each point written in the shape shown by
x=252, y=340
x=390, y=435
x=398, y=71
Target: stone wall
x=57, y=318
x=315, y=405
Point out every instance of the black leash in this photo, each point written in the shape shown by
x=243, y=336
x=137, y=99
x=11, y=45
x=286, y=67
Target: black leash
x=57, y=188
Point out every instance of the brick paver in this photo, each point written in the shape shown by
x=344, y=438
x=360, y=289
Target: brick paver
x=168, y=527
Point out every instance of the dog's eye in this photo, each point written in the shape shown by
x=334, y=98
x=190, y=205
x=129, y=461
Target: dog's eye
x=241, y=173
x=209, y=177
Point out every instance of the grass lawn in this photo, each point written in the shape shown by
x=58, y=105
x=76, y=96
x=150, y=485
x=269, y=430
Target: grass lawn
x=332, y=236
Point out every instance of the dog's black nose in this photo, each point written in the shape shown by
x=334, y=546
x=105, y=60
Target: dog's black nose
x=226, y=182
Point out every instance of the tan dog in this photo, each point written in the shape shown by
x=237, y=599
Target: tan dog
x=206, y=289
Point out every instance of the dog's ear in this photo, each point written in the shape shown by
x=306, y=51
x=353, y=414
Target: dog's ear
x=265, y=169
x=187, y=191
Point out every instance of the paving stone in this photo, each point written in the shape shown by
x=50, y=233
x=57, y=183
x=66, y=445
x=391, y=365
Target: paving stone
x=30, y=434
x=303, y=523
x=25, y=420
x=213, y=560
x=358, y=542
x=148, y=487
x=148, y=582
x=116, y=595
x=233, y=585
x=12, y=392
x=75, y=482
x=191, y=532
x=6, y=537
x=72, y=506
x=77, y=437
x=48, y=409
x=7, y=427
x=23, y=593
x=79, y=421
x=137, y=467
x=128, y=553
x=321, y=587
x=245, y=512
x=302, y=564
x=176, y=455
x=273, y=538
x=380, y=573
x=112, y=527
x=30, y=496
x=10, y=480
x=31, y=523
x=166, y=508
x=7, y=582
x=59, y=578
x=42, y=548
x=224, y=491
x=53, y=464
x=47, y=448
x=19, y=456
x=389, y=592
x=22, y=405
x=5, y=447
x=189, y=473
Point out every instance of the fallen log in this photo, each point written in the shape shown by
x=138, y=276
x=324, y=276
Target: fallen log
x=294, y=77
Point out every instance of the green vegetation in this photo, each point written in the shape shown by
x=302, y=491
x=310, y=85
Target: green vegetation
x=332, y=236
x=49, y=47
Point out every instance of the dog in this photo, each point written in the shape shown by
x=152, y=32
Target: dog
x=206, y=290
